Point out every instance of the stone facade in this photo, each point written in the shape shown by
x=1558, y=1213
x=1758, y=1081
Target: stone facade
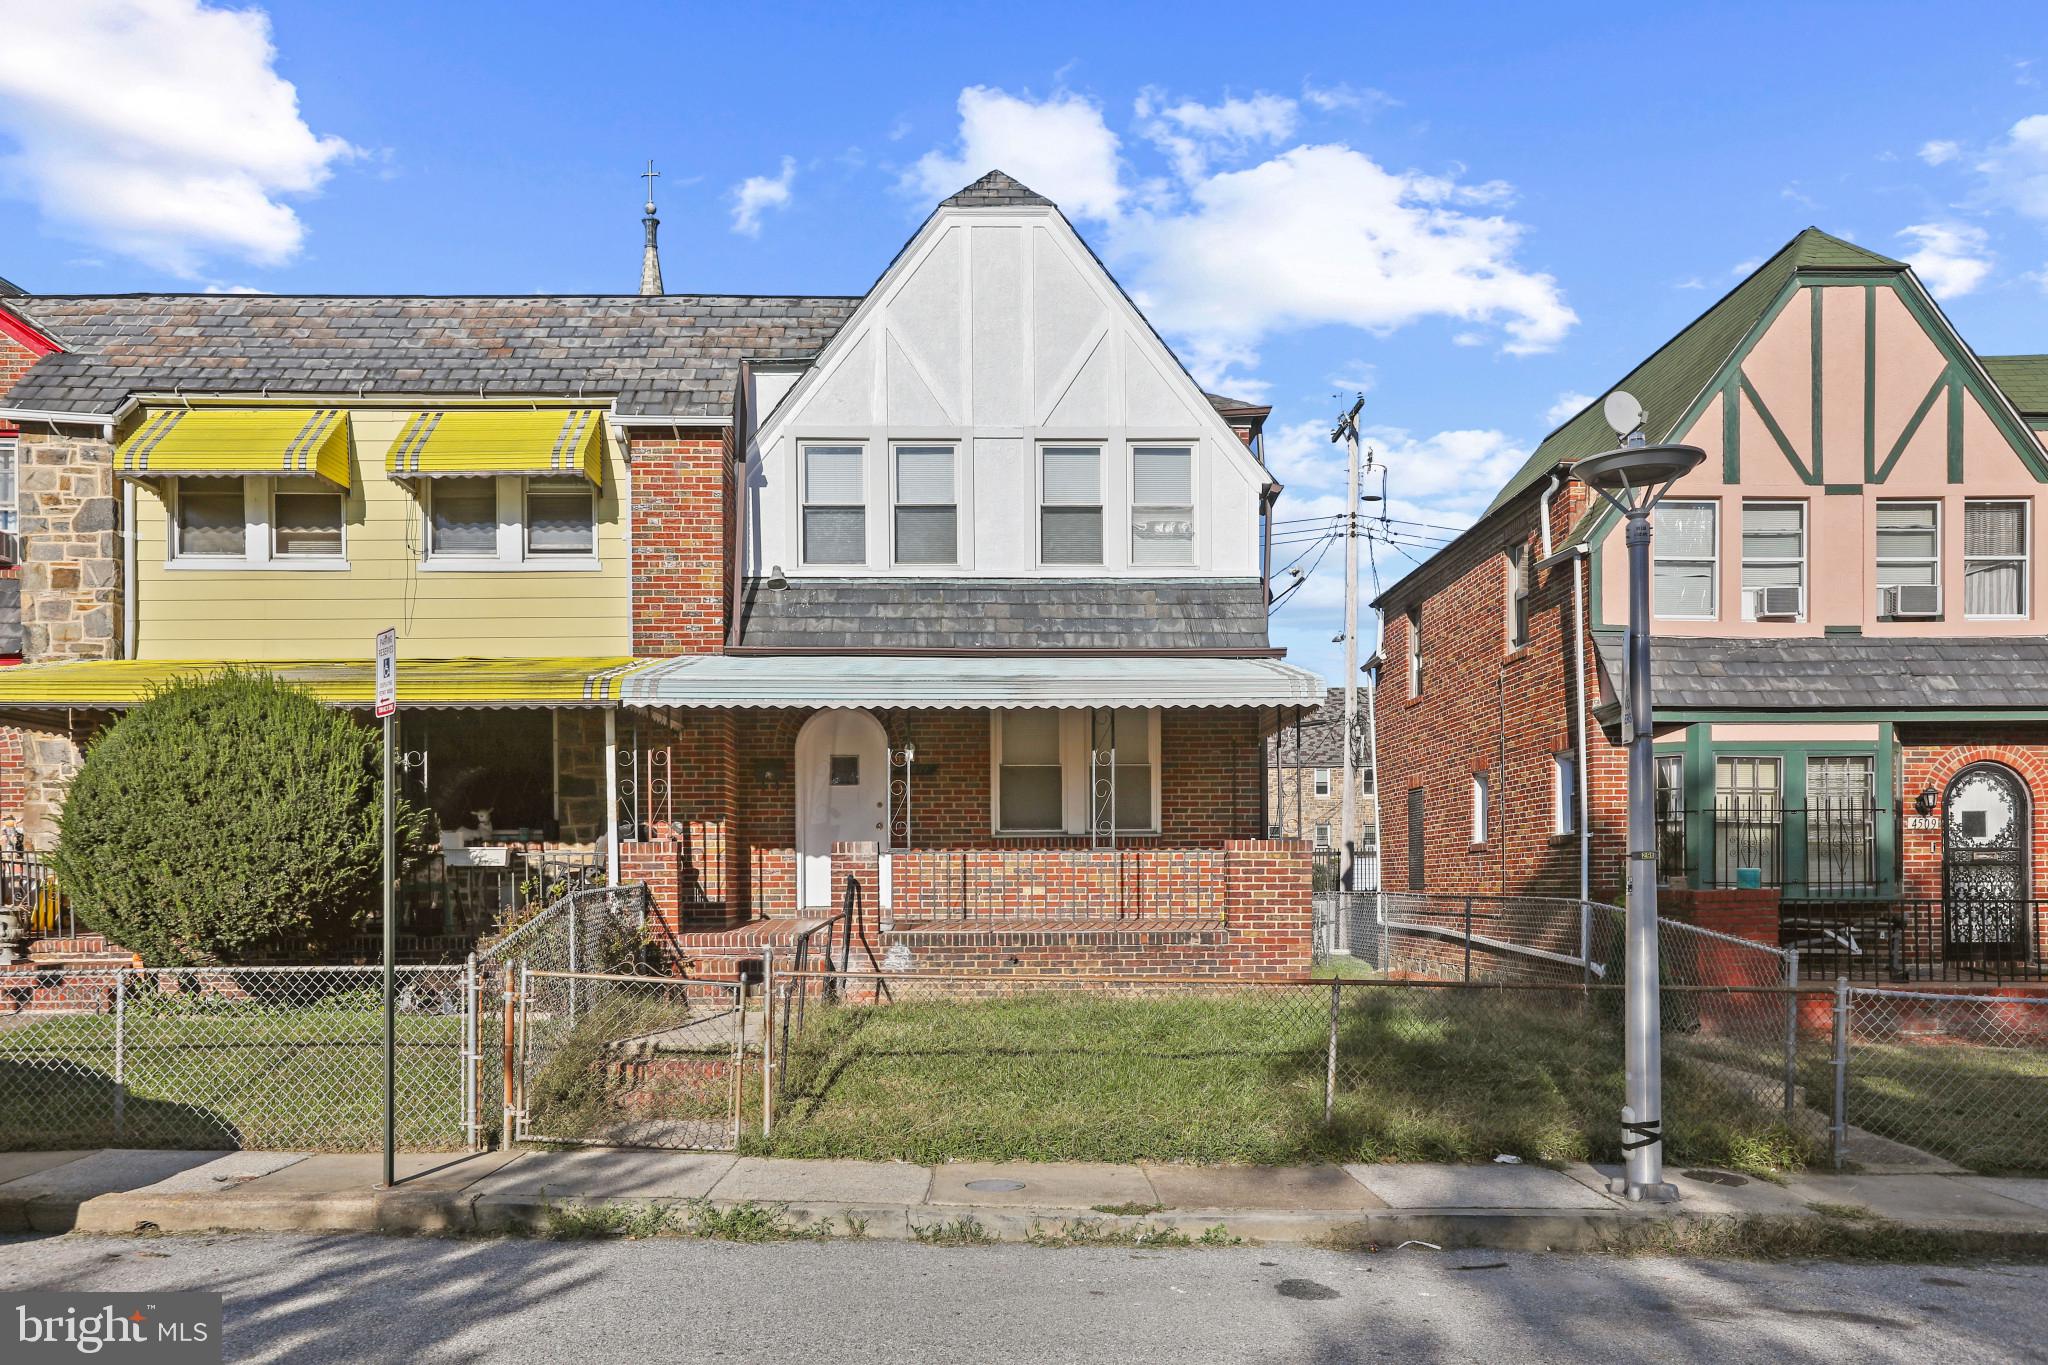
x=579, y=775
x=71, y=541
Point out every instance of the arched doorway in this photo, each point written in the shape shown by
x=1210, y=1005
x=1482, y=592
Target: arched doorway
x=1986, y=834
x=842, y=793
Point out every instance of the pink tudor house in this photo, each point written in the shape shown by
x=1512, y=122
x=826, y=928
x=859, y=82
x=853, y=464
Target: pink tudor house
x=992, y=668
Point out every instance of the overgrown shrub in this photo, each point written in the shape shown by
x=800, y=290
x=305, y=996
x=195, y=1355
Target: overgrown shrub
x=231, y=818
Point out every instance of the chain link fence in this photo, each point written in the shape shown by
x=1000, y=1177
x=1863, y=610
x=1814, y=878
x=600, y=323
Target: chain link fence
x=283, y=1058
x=599, y=929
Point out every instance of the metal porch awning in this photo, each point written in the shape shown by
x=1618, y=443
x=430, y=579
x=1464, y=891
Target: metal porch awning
x=542, y=443
x=982, y=681
x=309, y=443
x=114, y=684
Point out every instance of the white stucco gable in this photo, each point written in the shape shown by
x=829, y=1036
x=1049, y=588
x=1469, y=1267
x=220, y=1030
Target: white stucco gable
x=996, y=332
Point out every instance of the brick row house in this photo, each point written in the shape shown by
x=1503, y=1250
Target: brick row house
x=1851, y=668
x=953, y=591
x=1305, y=782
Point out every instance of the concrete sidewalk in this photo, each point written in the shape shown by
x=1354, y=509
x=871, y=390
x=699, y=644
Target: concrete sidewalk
x=1506, y=1207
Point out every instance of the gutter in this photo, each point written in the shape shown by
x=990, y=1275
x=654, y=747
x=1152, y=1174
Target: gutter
x=103, y=421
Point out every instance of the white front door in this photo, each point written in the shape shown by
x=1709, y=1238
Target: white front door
x=842, y=791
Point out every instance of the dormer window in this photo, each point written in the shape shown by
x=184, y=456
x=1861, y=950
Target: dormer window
x=927, y=506
x=1070, y=505
x=835, y=518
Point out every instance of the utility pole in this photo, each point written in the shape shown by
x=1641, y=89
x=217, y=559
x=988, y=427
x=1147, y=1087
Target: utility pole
x=1347, y=431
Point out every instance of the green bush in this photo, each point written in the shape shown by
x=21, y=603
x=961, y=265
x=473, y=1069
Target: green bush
x=229, y=819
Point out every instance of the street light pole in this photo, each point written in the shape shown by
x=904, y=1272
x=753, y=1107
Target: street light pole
x=1632, y=480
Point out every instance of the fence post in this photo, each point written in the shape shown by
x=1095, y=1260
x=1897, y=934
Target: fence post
x=507, y=1050
x=121, y=1054
x=1330, y=1067
x=1839, y=1132
x=1386, y=953
x=574, y=961
x=472, y=1082
x=1791, y=1031
x=1468, y=940
x=767, y=1043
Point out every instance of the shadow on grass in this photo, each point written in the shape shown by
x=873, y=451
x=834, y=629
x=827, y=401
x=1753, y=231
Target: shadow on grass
x=57, y=1106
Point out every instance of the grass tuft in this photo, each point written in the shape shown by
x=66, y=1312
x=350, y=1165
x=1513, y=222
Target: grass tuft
x=1830, y=1237
x=747, y=1222
x=964, y=1231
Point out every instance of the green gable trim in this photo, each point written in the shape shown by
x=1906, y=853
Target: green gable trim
x=1969, y=372
x=1912, y=428
x=1841, y=490
x=1955, y=427
x=1731, y=435
x=1777, y=433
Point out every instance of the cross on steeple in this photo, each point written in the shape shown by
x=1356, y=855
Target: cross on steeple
x=650, y=253
x=649, y=176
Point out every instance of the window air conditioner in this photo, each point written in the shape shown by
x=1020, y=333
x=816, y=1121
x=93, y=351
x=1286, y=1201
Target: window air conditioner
x=1912, y=600
x=1785, y=600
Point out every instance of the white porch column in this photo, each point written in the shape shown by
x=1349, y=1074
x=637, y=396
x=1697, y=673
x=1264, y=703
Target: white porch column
x=611, y=795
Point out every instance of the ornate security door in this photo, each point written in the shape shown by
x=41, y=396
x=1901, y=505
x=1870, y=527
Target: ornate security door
x=1986, y=822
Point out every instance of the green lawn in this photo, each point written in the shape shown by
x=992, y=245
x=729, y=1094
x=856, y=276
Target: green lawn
x=294, y=1079
x=1981, y=1107
x=1425, y=1075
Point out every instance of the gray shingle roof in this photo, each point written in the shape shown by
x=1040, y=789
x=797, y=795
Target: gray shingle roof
x=1006, y=614
x=1845, y=672
x=10, y=290
x=676, y=354
x=996, y=191
x=1322, y=735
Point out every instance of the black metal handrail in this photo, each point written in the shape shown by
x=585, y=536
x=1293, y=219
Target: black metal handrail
x=1918, y=940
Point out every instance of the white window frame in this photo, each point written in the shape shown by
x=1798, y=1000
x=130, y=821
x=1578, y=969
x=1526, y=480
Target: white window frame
x=1414, y=615
x=1515, y=561
x=1482, y=799
x=1189, y=449
x=511, y=555
x=1713, y=612
x=2025, y=559
x=258, y=501
x=1805, y=552
x=10, y=506
x=896, y=504
x=1564, y=793
x=1075, y=737
x=804, y=504
x=1101, y=503
x=1322, y=782
x=1321, y=836
x=1878, y=560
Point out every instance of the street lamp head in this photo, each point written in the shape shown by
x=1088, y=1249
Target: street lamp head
x=1634, y=478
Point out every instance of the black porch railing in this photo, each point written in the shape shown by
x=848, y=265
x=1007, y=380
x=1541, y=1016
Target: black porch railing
x=1328, y=869
x=1983, y=942
x=441, y=901
x=1820, y=850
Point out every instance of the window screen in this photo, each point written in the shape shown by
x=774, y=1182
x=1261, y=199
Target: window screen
x=927, y=508
x=1070, y=511
x=561, y=518
x=211, y=519
x=1995, y=559
x=465, y=517
x=1908, y=545
x=1162, y=505
x=835, y=506
x=1683, y=579
x=306, y=521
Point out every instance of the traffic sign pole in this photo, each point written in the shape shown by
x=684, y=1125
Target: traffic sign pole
x=387, y=711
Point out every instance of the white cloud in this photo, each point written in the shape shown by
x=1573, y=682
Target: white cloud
x=1330, y=98
x=1567, y=406
x=1060, y=147
x=1192, y=133
x=2015, y=169
x=1939, y=151
x=159, y=129
x=1951, y=259
x=757, y=194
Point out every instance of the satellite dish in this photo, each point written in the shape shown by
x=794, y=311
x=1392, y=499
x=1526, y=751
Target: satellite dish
x=1624, y=413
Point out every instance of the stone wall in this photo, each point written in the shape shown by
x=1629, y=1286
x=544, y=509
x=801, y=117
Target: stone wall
x=71, y=543
x=579, y=775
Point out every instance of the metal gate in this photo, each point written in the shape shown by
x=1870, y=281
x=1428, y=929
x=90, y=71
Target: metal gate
x=626, y=1061
x=1987, y=824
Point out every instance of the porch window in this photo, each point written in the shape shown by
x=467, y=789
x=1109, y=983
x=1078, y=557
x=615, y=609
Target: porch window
x=1672, y=859
x=462, y=518
x=1322, y=782
x=1773, y=560
x=212, y=521
x=305, y=520
x=1128, y=730
x=1030, y=795
x=561, y=517
x=835, y=506
x=1686, y=561
x=1841, y=828
x=927, y=507
x=1070, y=505
x=1162, y=505
x=1908, y=551
x=1995, y=559
x=1748, y=818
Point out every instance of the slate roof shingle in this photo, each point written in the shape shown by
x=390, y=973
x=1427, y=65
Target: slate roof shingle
x=1841, y=672
x=1322, y=736
x=1006, y=614
x=668, y=355
x=996, y=190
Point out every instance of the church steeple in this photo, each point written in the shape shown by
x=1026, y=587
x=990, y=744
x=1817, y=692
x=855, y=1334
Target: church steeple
x=650, y=255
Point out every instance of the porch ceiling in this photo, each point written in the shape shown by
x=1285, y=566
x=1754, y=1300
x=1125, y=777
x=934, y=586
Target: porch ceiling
x=968, y=681
x=114, y=683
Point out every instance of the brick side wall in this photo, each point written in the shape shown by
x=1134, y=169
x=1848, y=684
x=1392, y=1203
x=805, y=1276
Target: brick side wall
x=682, y=541
x=1486, y=709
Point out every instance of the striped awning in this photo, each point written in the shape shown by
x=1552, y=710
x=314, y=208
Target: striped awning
x=449, y=443
x=198, y=442
x=104, y=684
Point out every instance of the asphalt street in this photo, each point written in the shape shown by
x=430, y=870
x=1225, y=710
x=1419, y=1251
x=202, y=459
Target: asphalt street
x=358, y=1299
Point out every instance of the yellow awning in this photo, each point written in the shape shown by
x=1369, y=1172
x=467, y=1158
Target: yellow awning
x=100, y=684
x=447, y=443
x=195, y=442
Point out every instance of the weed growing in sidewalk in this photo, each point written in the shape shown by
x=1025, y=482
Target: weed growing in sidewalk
x=1828, y=1237
x=747, y=1222
x=1128, y=1209
x=1093, y=1232
x=963, y=1231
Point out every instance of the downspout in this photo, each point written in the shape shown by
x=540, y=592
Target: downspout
x=742, y=442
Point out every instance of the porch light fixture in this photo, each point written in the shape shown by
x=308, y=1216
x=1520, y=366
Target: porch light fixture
x=1925, y=801
x=1634, y=479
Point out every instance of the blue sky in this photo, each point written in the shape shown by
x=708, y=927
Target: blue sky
x=1473, y=211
